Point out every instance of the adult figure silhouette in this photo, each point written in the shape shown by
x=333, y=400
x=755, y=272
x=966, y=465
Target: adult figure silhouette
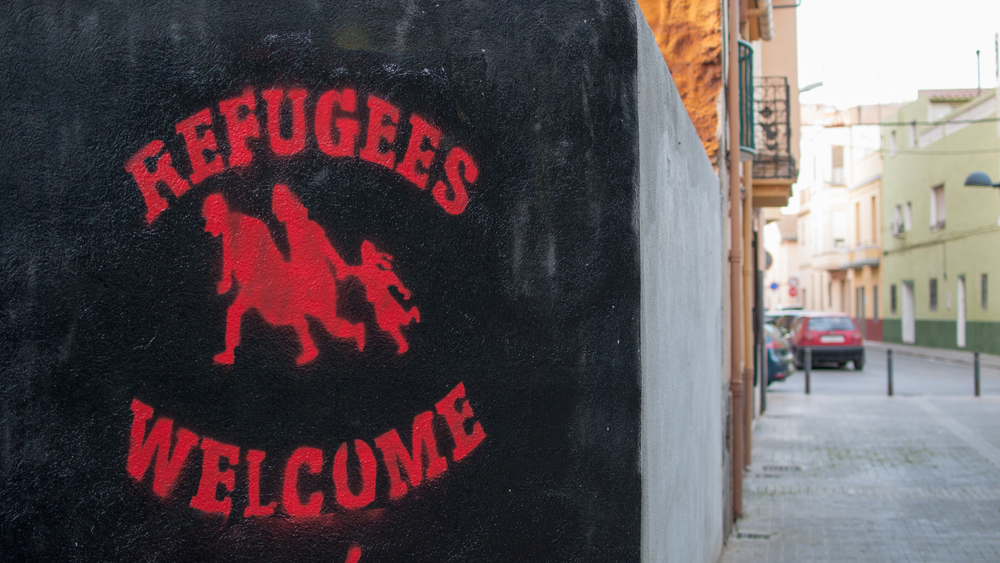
x=283, y=292
x=311, y=258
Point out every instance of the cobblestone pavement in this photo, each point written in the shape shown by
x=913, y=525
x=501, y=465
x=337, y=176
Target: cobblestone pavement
x=840, y=477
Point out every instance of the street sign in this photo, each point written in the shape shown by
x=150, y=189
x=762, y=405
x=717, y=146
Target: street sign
x=774, y=286
x=793, y=281
x=793, y=291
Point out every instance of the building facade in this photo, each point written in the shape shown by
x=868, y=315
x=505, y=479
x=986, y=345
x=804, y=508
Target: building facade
x=781, y=279
x=840, y=210
x=941, y=237
x=864, y=254
x=832, y=141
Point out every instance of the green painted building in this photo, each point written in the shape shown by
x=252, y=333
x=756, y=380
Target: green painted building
x=941, y=239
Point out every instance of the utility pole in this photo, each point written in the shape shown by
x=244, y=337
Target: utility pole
x=979, y=77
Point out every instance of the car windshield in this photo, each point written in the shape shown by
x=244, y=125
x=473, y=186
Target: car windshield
x=786, y=321
x=830, y=323
x=772, y=331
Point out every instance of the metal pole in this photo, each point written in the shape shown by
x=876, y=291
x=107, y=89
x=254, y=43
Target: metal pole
x=761, y=339
x=979, y=81
x=975, y=369
x=765, y=369
x=809, y=364
x=889, y=355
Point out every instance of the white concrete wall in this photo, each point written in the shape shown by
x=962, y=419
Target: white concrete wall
x=683, y=383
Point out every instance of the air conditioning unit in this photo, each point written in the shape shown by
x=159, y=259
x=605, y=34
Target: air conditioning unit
x=897, y=228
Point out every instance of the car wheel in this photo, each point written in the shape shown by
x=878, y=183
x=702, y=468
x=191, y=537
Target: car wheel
x=859, y=364
x=841, y=365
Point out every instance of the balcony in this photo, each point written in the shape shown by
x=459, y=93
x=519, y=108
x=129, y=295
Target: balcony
x=747, y=149
x=773, y=159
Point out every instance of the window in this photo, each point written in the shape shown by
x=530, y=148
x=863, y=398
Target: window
x=984, y=294
x=840, y=229
x=893, y=147
x=829, y=294
x=857, y=223
x=874, y=302
x=837, y=168
x=874, y=225
x=913, y=134
x=831, y=323
x=937, y=207
x=938, y=110
x=892, y=299
x=933, y=291
x=908, y=216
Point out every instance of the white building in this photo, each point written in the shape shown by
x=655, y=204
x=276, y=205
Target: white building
x=835, y=144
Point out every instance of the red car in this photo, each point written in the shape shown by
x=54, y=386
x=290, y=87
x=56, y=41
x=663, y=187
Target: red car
x=832, y=337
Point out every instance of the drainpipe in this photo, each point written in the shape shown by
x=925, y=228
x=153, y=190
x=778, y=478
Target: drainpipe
x=736, y=399
x=748, y=289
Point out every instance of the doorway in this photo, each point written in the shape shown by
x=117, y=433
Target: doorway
x=961, y=312
x=909, y=323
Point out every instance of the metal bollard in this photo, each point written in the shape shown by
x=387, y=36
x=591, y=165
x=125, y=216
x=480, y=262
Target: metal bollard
x=767, y=377
x=975, y=369
x=809, y=366
x=888, y=354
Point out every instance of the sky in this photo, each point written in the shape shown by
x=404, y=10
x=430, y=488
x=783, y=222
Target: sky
x=872, y=51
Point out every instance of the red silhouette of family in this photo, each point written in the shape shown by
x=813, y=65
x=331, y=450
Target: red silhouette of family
x=285, y=292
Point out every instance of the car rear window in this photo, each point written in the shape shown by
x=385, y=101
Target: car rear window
x=831, y=323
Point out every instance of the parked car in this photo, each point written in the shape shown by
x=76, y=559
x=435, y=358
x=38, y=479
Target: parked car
x=832, y=337
x=786, y=317
x=780, y=361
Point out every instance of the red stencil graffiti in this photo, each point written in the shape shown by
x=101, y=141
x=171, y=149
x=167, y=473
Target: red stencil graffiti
x=286, y=292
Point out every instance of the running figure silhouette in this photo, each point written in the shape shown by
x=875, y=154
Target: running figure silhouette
x=286, y=292
x=375, y=272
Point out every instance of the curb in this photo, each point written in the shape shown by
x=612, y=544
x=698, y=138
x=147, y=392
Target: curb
x=947, y=356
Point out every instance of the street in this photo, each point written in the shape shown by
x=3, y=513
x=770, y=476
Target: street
x=850, y=474
x=911, y=376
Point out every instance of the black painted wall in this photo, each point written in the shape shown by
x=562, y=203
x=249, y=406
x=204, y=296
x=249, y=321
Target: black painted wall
x=529, y=297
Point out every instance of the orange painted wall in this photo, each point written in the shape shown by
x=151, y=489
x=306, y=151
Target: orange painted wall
x=689, y=34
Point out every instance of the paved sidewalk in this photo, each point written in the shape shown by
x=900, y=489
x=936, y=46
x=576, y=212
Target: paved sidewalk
x=963, y=357
x=869, y=478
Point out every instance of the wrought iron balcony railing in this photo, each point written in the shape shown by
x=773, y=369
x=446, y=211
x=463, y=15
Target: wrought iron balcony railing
x=774, y=129
x=746, y=101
